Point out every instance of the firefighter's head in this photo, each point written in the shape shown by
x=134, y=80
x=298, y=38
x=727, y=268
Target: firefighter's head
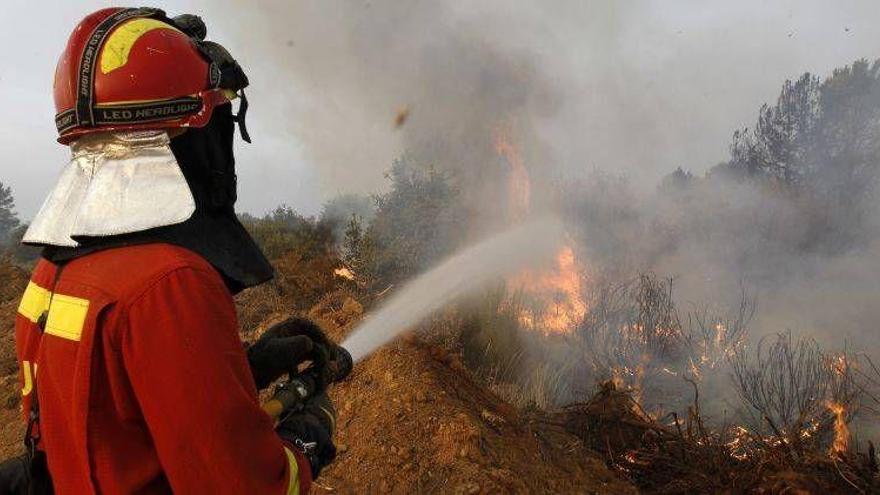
x=145, y=103
x=134, y=68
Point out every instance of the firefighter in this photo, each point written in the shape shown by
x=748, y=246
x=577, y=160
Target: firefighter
x=133, y=376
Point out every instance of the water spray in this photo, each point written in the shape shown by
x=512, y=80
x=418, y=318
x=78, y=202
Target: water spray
x=467, y=271
x=464, y=272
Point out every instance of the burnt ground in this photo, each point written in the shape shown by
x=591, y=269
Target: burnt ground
x=411, y=418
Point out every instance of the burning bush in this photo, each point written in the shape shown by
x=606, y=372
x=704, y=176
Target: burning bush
x=630, y=324
x=688, y=457
x=797, y=401
x=635, y=336
x=796, y=393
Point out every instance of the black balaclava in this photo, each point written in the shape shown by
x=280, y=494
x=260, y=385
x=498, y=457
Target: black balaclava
x=206, y=158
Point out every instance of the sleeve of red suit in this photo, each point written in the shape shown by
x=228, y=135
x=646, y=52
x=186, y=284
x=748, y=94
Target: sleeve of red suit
x=190, y=374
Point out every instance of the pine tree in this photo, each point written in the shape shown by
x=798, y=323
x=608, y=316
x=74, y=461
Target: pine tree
x=8, y=218
x=781, y=143
x=352, y=243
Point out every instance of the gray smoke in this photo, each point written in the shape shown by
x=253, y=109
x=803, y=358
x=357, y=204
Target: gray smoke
x=630, y=87
x=633, y=89
x=637, y=87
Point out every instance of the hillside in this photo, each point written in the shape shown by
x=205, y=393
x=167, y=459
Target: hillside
x=13, y=281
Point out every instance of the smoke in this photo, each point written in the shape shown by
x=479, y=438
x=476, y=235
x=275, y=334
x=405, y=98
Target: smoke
x=633, y=89
x=718, y=237
x=354, y=67
x=629, y=88
x=637, y=87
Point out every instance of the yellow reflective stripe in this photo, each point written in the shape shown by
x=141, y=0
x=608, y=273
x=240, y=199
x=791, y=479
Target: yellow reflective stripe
x=118, y=45
x=34, y=302
x=293, y=484
x=67, y=314
x=28, y=380
x=67, y=317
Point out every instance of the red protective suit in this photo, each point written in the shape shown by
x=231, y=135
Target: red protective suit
x=142, y=381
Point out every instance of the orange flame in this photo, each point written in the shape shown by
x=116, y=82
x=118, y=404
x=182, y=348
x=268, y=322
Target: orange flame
x=519, y=187
x=639, y=378
x=841, y=430
x=839, y=364
x=557, y=290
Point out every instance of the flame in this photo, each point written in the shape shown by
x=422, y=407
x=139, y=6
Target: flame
x=557, y=291
x=720, y=335
x=639, y=377
x=841, y=430
x=840, y=365
x=519, y=188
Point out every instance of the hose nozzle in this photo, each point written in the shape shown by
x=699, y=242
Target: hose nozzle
x=294, y=393
x=342, y=364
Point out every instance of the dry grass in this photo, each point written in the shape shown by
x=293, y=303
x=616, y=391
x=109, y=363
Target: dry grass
x=787, y=386
x=687, y=457
x=637, y=345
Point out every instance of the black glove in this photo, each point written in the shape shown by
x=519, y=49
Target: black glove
x=299, y=326
x=26, y=475
x=311, y=430
x=286, y=345
x=276, y=354
x=322, y=353
x=15, y=475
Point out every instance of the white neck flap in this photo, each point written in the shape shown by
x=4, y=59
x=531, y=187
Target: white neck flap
x=115, y=184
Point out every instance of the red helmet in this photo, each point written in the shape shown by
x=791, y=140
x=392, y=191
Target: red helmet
x=126, y=69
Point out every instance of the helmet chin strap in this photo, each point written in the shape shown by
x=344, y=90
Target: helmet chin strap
x=225, y=71
x=240, y=117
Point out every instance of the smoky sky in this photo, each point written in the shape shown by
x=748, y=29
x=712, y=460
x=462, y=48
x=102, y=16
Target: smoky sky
x=636, y=88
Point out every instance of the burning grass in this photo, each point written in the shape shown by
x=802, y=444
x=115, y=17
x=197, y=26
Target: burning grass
x=779, y=413
x=551, y=301
x=795, y=392
x=684, y=455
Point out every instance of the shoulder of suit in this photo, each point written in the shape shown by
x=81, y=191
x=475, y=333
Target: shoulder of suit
x=127, y=271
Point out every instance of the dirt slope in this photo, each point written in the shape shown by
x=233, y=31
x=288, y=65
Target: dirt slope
x=411, y=420
x=13, y=280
